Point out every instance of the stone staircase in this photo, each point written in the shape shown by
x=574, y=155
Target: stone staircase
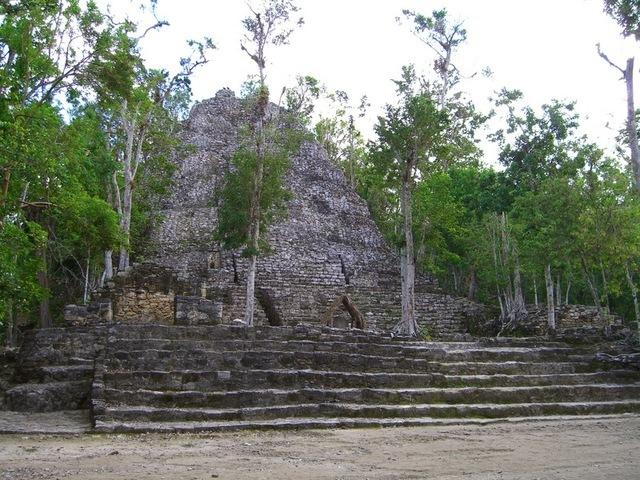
x=189, y=379
x=54, y=370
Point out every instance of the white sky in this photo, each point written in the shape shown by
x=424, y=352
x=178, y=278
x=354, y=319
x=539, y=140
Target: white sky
x=546, y=48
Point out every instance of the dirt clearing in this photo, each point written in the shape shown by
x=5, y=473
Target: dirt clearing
x=569, y=450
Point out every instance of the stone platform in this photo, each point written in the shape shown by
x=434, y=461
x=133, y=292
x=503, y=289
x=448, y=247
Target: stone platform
x=139, y=378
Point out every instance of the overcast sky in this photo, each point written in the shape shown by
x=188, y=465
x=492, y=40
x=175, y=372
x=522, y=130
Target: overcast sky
x=546, y=48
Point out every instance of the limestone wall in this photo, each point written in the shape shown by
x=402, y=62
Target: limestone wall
x=143, y=306
x=145, y=293
x=569, y=317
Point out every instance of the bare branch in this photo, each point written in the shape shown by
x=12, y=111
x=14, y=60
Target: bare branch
x=606, y=59
x=159, y=24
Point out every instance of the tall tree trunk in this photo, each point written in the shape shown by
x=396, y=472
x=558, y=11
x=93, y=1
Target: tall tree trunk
x=593, y=288
x=256, y=195
x=4, y=190
x=503, y=312
x=566, y=298
x=85, y=295
x=505, y=263
x=251, y=275
x=535, y=291
x=632, y=129
x=494, y=244
x=125, y=223
x=456, y=286
x=408, y=324
x=9, y=330
x=132, y=158
x=551, y=311
x=43, y=280
x=634, y=295
x=473, y=284
x=558, y=292
x=605, y=288
x=107, y=274
x=520, y=307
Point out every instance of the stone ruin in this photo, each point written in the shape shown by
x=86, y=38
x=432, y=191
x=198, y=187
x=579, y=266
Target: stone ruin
x=327, y=246
x=197, y=374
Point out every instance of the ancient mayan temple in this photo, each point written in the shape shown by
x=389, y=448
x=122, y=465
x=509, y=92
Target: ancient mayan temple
x=194, y=373
x=326, y=246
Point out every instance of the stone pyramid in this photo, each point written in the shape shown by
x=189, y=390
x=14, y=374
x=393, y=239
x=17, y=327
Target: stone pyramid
x=327, y=245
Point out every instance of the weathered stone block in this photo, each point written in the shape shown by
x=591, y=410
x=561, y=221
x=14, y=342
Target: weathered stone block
x=197, y=311
x=94, y=312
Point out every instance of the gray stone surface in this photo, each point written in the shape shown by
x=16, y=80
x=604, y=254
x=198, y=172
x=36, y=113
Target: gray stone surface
x=54, y=369
x=95, y=312
x=197, y=311
x=47, y=397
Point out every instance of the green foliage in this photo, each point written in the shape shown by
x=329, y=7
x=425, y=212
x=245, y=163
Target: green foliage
x=299, y=100
x=627, y=14
x=338, y=134
x=535, y=146
x=19, y=264
x=439, y=223
x=57, y=167
x=73, y=83
x=85, y=224
x=235, y=193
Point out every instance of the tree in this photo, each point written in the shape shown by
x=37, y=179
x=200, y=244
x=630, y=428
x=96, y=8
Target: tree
x=140, y=106
x=46, y=48
x=63, y=65
x=299, y=100
x=409, y=139
x=442, y=37
x=270, y=26
x=627, y=14
x=543, y=158
x=632, y=129
x=338, y=134
x=608, y=239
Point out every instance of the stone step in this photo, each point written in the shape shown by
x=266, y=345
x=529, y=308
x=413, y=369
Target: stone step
x=273, y=397
x=114, y=418
x=228, y=360
x=299, y=332
x=327, y=422
x=45, y=397
x=66, y=342
x=422, y=350
x=226, y=332
x=60, y=335
x=56, y=373
x=59, y=360
x=205, y=380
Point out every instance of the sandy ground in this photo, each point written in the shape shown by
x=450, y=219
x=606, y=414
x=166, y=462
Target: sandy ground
x=580, y=450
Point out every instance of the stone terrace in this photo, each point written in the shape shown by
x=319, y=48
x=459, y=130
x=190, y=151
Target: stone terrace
x=138, y=378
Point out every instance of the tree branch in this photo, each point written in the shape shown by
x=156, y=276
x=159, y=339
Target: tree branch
x=606, y=59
